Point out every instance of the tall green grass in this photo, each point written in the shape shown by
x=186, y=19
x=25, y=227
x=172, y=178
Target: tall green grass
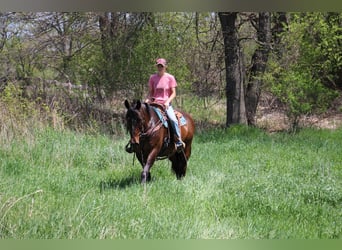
x=241, y=184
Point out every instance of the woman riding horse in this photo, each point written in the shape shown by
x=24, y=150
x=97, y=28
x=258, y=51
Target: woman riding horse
x=162, y=90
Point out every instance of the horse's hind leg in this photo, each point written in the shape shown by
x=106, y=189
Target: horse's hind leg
x=179, y=164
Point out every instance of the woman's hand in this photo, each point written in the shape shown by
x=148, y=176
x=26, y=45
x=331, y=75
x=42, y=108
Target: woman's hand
x=167, y=104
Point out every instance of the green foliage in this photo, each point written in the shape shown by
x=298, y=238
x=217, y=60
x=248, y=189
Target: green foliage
x=161, y=38
x=124, y=60
x=299, y=91
x=71, y=46
x=206, y=111
x=311, y=56
x=321, y=42
x=241, y=184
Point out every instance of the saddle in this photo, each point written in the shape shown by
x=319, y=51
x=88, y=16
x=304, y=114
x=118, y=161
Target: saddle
x=161, y=113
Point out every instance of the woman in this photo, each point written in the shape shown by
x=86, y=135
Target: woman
x=162, y=90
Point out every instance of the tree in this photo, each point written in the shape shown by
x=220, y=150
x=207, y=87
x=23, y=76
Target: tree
x=120, y=32
x=48, y=44
x=280, y=26
x=165, y=35
x=234, y=70
x=4, y=21
x=7, y=32
x=259, y=62
x=63, y=36
x=243, y=98
x=207, y=56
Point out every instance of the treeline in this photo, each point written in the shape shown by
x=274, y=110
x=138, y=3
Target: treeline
x=295, y=56
x=114, y=51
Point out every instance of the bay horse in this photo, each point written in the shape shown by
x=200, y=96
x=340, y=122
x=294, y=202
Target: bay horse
x=152, y=139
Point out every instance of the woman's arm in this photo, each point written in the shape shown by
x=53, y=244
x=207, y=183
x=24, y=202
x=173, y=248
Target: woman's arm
x=172, y=96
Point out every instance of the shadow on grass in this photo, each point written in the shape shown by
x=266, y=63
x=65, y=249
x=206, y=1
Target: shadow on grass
x=118, y=183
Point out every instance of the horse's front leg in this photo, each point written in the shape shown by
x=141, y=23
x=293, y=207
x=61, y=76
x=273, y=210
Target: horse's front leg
x=145, y=174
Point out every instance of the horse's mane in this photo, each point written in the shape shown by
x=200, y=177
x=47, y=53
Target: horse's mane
x=147, y=108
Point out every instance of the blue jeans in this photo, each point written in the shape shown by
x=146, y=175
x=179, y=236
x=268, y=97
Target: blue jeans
x=174, y=122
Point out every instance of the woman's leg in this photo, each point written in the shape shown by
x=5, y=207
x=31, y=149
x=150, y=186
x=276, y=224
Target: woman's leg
x=171, y=114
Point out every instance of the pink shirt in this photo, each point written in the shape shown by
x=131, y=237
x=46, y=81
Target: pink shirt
x=162, y=86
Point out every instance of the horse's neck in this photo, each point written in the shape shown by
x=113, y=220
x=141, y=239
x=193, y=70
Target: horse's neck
x=151, y=121
x=148, y=115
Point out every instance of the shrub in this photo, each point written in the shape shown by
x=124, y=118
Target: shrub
x=19, y=116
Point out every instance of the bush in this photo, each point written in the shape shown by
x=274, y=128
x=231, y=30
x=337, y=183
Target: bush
x=310, y=56
x=301, y=93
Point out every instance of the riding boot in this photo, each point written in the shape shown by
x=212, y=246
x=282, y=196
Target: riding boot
x=180, y=145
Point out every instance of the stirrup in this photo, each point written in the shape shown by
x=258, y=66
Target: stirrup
x=180, y=146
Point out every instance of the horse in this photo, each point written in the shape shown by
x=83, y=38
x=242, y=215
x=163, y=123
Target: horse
x=152, y=138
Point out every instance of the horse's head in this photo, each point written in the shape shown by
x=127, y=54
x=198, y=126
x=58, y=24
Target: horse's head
x=135, y=120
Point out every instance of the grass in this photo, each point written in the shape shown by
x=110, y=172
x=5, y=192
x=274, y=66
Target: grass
x=241, y=184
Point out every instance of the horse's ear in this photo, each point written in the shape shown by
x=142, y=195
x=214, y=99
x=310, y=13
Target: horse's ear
x=127, y=104
x=138, y=106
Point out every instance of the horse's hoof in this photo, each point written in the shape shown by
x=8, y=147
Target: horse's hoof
x=180, y=177
x=145, y=177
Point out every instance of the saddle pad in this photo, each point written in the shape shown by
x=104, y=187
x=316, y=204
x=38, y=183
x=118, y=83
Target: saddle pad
x=181, y=118
x=162, y=117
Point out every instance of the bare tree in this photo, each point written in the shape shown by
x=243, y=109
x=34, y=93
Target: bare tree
x=119, y=33
x=259, y=61
x=63, y=35
x=236, y=113
x=207, y=55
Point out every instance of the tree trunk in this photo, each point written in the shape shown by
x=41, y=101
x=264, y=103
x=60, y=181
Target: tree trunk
x=4, y=21
x=106, y=25
x=234, y=70
x=259, y=61
x=279, y=27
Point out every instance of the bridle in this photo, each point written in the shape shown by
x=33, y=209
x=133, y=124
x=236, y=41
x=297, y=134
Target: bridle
x=144, y=129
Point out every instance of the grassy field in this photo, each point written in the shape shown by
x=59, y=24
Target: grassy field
x=241, y=183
